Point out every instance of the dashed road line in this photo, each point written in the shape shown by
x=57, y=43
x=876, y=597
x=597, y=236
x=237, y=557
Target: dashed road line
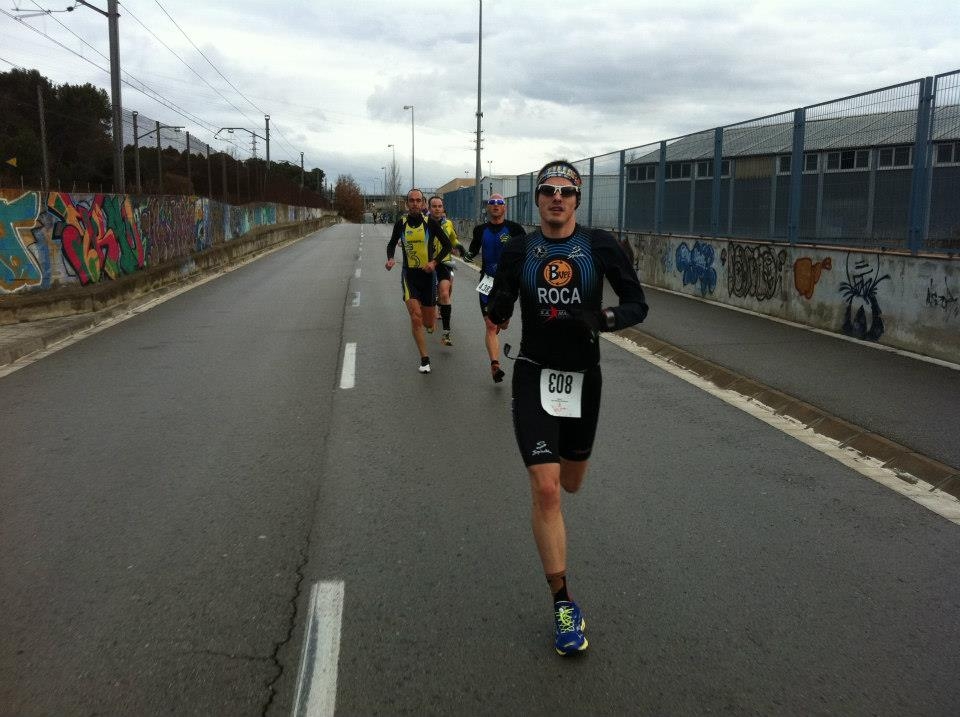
x=348, y=374
x=316, y=691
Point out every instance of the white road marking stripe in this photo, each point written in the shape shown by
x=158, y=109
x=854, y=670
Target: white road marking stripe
x=348, y=373
x=357, y=272
x=941, y=503
x=316, y=692
x=356, y=298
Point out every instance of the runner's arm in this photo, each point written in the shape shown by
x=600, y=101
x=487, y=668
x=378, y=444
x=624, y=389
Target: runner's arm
x=623, y=278
x=506, y=284
x=394, y=238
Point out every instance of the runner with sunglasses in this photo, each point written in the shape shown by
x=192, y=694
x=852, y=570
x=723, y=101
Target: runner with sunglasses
x=445, y=267
x=557, y=272
x=489, y=239
x=417, y=235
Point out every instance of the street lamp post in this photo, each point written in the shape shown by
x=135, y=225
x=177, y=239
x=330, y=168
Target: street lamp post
x=266, y=139
x=393, y=172
x=113, y=31
x=413, y=174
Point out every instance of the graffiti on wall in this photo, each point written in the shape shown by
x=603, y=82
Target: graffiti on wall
x=806, y=274
x=98, y=235
x=755, y=271
x=862, y=318
x=59, y=238
x=943, y=299
x=19, y=268
x=696, y=265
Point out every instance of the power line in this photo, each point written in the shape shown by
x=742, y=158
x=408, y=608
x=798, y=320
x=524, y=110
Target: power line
x=289, y=146
x=148, y=92
x=184, y=62
x=208, y=60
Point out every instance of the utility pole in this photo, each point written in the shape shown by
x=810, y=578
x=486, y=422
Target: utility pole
x=301, y=170
x=43, y=140
x=113, y=30
x=476, y=186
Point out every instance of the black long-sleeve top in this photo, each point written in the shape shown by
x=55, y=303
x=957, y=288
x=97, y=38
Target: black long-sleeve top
x=560, y=286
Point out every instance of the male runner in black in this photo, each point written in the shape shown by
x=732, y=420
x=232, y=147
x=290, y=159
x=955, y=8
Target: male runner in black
x=557, y=272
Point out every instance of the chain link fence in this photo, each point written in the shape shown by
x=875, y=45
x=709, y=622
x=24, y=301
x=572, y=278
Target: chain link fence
x=879, y=169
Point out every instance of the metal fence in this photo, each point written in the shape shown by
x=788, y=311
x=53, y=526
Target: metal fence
x=879, y=169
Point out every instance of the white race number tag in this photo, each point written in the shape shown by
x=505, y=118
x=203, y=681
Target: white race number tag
x=560, y=392
x=485, y=285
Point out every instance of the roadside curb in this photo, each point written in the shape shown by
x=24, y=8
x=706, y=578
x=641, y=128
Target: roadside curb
x=909, y=465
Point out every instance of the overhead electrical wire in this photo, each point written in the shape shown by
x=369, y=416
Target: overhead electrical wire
x=289, y=147
x=145, y=89
x=148, y=91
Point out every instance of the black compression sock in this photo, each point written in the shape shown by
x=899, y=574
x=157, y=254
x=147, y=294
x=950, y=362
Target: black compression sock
x=445, y=310
x=424, y=360
x=558, y=586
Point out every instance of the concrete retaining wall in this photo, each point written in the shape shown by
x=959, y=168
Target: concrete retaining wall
x=900, y=300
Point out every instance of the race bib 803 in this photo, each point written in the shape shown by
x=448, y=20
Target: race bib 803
x=561, y=392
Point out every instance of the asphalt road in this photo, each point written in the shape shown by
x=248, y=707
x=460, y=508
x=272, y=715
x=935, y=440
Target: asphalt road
x=174, y=486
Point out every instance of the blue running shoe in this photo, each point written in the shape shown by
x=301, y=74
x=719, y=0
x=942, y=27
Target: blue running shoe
x=569, y=625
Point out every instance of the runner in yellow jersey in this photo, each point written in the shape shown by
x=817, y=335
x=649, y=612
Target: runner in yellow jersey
x=416, y=235
x=445, y=267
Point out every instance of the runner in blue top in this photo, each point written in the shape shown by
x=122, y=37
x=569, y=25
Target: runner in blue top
x=489, y=239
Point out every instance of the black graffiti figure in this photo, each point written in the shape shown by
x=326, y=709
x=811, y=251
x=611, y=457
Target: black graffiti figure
x=863, y=317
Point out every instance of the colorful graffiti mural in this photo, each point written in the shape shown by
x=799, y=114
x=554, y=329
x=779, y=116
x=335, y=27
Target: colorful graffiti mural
x=862, y=318
x=59, y=238
x=19, y=268
x=806, y=274
x=696, y=265
x=98, y=235
x=755, y=271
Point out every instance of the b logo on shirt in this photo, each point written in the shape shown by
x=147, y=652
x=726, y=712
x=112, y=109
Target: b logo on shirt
x=558, y=273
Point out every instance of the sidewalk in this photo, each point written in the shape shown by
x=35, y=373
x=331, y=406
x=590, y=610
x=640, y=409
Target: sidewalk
x=898, y=408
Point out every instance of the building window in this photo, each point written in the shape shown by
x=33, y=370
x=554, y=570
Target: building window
x=848, y=159
x=948, y=152
x=678, y=170
x=811, y=161
x=705, y=168
x=890, y=157
x=642, y=173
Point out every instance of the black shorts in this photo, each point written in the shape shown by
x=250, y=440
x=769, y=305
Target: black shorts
x=543, y=438
x=418, y=284
x=444, y=273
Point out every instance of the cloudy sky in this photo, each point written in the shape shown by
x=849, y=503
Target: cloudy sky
x=560, y=78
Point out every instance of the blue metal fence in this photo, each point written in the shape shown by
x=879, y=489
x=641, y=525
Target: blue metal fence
x=878, y=169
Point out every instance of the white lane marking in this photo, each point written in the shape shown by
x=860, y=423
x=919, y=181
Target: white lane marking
x=823, y=332
x=356, y=298
x=357, y=272
x=348, y=373
x=928, y=496
x=316, y=692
